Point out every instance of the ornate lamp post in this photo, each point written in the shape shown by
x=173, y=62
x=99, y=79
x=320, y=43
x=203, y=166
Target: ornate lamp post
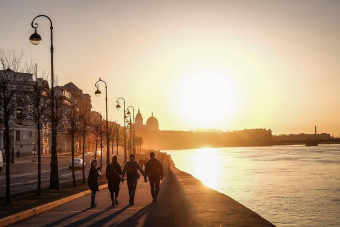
x=98, y=93
x=132, y=124
x=118, y=107
x=35, y=39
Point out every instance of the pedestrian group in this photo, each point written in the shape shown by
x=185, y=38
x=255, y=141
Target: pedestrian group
x=114, y=174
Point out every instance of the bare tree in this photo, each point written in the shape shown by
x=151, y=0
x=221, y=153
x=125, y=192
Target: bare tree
x=139, y=142
x=15, y=81
x=39, y=100
x=119, y=137
x=99, y=130
x=61, y=106
x=111, y=135
x=84, y=129
x=71, y=127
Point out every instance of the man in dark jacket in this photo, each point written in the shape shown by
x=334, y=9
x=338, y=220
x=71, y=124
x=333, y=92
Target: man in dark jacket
x=154, y=170
x=130, y=169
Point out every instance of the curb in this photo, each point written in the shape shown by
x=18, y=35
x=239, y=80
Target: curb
x=40, y=209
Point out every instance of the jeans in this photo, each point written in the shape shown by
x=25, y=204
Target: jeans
x=154, y=183
x=132, y=185
x=93, y=197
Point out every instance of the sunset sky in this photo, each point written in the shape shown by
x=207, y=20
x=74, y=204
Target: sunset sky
x=217, y=64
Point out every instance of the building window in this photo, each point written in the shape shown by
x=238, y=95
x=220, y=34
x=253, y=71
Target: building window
x=19, y=114
x=30, y=109
x=17, y=135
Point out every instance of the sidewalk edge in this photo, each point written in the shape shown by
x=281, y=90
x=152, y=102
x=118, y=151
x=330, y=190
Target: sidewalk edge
x=40, y=209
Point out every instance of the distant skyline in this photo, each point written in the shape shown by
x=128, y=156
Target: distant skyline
x=218, y=64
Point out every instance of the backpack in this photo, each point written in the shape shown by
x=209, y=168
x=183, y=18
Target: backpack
x=154, y=168
x=131, y=172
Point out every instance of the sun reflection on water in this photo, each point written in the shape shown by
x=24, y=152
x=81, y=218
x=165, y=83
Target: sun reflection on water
x=287, y=185
x=206, y=166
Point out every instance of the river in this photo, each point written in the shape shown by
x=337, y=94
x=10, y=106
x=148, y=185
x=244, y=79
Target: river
x=287, y=185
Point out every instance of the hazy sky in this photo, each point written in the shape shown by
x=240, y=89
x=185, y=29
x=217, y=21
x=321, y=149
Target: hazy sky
x=215, y=64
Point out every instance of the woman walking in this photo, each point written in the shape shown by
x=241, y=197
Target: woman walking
x=93, y=181
x=113, y=172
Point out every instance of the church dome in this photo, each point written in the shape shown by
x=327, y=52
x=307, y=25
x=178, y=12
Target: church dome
x=152, y=123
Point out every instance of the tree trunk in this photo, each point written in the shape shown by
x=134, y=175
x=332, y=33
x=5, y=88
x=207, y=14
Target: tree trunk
x=101, y=153
x=95, y=152
x=54, y=174
x=117, y=139
x=72, y=151
x=39, y=161
x=7, y=151
x=12, y=153
x=83, y=166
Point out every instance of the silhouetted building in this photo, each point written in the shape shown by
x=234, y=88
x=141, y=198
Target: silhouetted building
x=152, y=123
x=153, y=138
x=139, y=120
x=302, y=137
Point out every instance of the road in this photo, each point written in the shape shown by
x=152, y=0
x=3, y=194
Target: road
x=24, y=173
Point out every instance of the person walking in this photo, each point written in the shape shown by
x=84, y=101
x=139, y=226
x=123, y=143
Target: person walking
x=141, y=162
x=154, y=171
x=113, y=172
x=131, y=168
x=93, y=181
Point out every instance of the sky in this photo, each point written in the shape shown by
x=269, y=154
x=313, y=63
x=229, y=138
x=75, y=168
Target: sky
x=219, y=64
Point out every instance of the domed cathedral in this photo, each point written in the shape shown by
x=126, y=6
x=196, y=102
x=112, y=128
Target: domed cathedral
x=149, y=132
x=152, y=123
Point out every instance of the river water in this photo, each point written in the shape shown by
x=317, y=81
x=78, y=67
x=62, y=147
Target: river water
x=287, y=185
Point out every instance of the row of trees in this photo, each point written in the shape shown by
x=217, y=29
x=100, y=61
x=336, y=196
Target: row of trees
x=72, y=116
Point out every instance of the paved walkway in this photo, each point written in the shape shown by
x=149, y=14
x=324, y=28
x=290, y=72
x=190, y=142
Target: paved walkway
x=79, y=213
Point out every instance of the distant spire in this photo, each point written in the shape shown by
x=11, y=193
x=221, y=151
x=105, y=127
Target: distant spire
x=152, y=114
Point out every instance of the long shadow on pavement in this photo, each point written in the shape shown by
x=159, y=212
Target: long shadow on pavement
x=133, y=220
x=160, y=212
x=89, y=218
x=65, y=218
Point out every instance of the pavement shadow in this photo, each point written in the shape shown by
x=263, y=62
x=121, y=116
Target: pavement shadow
x=133, y=220
x=156, y=214
x=65, y=218
x=109, y=218
x=87, y=219
x=160, y=212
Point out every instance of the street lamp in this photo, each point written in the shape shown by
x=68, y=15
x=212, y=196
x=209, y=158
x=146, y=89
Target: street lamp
x=118, y=107
x=35, y=39
x=132, y=128
x=98, y=93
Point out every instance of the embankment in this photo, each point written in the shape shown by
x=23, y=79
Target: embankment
x=194, y=204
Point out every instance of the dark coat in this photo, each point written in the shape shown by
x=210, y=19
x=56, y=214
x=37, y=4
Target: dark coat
x=154, y=168
x=113, y=172
x=93, y=178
